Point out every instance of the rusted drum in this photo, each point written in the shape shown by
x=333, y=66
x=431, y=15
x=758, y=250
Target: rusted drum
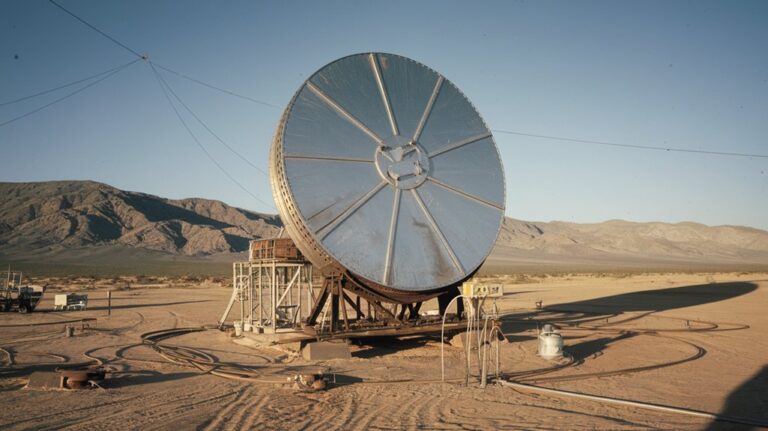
x=381, y=167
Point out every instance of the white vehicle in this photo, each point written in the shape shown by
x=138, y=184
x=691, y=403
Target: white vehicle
x=70, y=301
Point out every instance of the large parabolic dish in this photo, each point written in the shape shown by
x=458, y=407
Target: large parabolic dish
x=381, y=167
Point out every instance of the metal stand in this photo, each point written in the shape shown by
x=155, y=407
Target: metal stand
x=272, y=294
x=338, y=292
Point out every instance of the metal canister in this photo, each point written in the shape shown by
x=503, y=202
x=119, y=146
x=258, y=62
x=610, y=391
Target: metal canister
x=550, y=343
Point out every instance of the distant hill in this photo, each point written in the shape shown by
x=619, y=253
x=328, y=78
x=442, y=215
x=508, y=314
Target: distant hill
x=620, y=245
x=61, y=215
x=93, y=225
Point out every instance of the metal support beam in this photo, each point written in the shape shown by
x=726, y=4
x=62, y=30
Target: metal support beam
x=415, y=311
x=403, y=308
x=319, y=304
x=334, y=310
x=355, y=306
x=360, y=314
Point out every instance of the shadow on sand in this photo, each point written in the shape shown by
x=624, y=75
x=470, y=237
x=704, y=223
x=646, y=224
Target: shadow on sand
x=595, y=347
x=134, y=305
x=644, y=302
x=144, y=377
x=750, y=400
x=382, y=346
x=661, y=299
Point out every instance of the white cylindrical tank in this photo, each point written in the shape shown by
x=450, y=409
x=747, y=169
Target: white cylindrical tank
x=550, y=343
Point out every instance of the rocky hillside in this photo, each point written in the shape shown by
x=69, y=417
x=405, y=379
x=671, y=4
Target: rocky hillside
x=629, y=240
x=47, y=216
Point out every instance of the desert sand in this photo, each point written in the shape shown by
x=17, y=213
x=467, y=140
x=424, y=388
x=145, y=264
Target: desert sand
x=713, y=326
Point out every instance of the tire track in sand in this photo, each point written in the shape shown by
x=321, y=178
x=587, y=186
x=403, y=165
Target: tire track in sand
x=335, y=410
x=153, y=411
x=246, y=412
x=220, y=420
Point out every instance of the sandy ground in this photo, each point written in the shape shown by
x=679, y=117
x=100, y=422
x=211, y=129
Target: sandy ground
x=391, y=384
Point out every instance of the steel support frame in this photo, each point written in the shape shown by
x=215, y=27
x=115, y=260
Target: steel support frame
x=266, y=287
x=337, y=291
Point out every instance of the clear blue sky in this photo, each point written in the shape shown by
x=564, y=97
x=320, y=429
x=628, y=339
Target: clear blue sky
x=660, y=73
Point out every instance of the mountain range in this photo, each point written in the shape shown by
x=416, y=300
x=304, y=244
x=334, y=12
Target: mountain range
x=60, y=220
x=61, y=215
x=624, y=245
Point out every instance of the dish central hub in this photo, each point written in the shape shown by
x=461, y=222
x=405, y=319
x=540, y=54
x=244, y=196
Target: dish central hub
x=402, y=163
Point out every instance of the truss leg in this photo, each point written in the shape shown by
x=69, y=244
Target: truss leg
x=317, y=308
x=403, y=307
x=414, y=314
x=229, y=307
x=445, y=299
x=381, y=310
x=360, y=314
x=334, y=311
x=343, y=309
x=355, y=306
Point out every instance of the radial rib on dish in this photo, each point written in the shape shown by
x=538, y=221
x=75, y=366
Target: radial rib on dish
x=384, y=95
x=344, y=113
x=467, y=195
x=438, y=232
x=428, y=109
x=336, y=221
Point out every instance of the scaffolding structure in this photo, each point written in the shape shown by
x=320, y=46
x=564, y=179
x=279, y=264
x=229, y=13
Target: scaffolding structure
x=275, y=295
x=273, y=289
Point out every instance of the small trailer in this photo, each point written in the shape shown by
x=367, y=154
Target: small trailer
x=70, y=301
x=16, y=295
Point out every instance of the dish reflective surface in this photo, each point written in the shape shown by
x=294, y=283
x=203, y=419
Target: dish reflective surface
x=382, y=167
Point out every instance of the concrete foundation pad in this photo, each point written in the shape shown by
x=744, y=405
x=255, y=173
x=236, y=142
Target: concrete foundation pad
x=286, y=339
x=460, y=340
x=319, y=351
x=45, y=380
